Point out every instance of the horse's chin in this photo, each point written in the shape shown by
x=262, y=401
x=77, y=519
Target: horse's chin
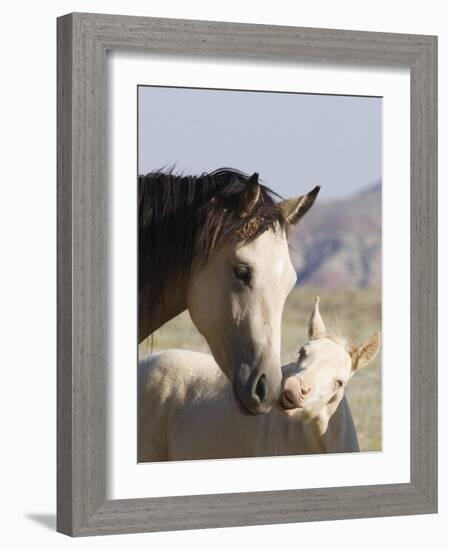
x=240, y=405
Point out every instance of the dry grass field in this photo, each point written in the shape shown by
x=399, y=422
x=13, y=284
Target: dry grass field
x=355, y=314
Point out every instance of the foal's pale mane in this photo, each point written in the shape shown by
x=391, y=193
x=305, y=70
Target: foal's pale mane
x=336, y=336
x=183, y=216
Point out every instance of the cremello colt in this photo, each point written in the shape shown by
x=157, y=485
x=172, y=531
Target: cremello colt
x=186, y=408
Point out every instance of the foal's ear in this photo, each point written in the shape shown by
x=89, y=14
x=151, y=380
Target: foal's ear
x=295, y=208
x=250, y=196
x=317, y=328
x=365, y=353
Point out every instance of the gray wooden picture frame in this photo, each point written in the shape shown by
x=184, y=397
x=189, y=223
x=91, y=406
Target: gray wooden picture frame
x=83, y=40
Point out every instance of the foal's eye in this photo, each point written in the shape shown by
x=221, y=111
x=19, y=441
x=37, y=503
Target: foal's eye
x=338, y=384
x=243, y=273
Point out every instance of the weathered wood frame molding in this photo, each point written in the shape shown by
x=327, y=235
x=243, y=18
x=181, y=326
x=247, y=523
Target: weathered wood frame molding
x=83, y=40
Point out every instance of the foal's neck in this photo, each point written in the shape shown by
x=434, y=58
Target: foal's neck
x=326, y=429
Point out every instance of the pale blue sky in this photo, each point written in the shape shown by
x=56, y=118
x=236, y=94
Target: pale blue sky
x=294, y=141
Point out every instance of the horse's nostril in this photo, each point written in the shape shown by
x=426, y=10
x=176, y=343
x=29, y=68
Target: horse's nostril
x=261, y=388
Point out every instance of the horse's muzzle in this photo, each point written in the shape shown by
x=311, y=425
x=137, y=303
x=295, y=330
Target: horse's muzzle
x=257, y=393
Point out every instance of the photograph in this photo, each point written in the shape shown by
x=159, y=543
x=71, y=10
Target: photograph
x=259, y=273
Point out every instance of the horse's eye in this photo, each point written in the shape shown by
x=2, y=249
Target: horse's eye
x=338, y=384
x=243, y=273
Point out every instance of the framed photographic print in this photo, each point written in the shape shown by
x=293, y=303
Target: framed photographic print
x=246, y=274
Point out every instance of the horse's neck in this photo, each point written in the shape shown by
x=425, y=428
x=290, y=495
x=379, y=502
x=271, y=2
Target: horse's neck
x=155, y=313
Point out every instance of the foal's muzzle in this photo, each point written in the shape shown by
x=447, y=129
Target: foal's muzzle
x=294, y=393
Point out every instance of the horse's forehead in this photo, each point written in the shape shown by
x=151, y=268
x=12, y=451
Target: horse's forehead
x=270, y=244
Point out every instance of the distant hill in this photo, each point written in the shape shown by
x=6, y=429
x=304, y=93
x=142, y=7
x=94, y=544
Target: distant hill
x=338, y=244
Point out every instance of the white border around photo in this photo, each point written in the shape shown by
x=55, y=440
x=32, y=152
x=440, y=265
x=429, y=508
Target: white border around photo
x=126, y=478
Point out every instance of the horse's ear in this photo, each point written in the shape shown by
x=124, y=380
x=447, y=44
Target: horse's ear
x=317, y=328
x=250, y=196
x=294, y=209
x=365, y=353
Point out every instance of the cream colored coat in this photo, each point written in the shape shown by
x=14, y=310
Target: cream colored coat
x=186, y=408
x=186, y=411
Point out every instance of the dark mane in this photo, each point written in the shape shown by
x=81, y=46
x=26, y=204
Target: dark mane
x=183, y=216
